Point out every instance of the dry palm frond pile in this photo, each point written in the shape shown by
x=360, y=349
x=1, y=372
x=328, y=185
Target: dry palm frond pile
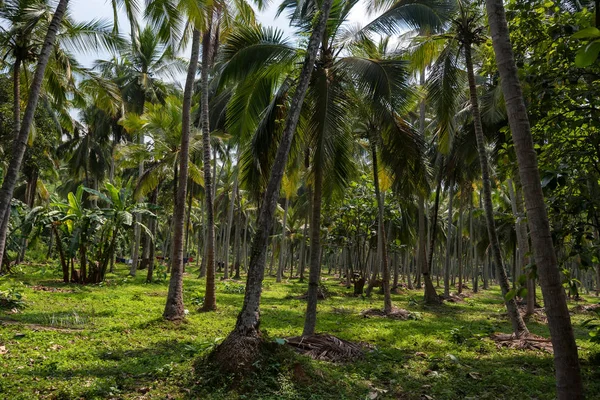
x=523, y=342
x=587, y=308
x=327, y=348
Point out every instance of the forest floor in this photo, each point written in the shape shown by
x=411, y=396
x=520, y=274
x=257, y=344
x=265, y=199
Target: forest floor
x=108, y=341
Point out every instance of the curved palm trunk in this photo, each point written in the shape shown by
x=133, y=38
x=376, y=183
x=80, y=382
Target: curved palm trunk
x=20, y=143
x=511, y=305
x=174, y=307
x=566, y=362
x=387, y=296
x=249, y=318
x=314, y=269
x=16, y=129
x=210, y=300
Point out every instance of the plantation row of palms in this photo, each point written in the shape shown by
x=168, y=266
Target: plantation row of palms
x=381, y=153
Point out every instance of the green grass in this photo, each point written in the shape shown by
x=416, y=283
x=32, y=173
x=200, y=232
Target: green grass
x=108, y=341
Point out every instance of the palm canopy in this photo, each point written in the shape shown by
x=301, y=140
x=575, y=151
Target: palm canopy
x=162, y=124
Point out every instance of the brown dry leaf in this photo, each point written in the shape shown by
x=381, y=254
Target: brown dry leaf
x=3, y=350
x=474, y=375
x=56, y=347
x=327, y=348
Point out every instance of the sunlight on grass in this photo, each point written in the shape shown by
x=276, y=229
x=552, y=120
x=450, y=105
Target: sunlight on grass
x=108, y=341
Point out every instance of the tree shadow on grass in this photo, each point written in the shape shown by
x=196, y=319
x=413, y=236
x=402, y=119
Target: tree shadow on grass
x=123, y=370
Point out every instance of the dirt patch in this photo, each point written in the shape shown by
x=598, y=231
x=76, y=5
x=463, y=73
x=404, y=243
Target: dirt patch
x=397, y=313
x=452, y=298
x=42, y=288
x=326, y=347
x=525, y=342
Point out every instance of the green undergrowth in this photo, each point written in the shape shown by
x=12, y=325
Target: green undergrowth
x=108, y=341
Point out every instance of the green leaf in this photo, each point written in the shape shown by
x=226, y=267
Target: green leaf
x=587, y=33
x=510, y=295
x=587, y=55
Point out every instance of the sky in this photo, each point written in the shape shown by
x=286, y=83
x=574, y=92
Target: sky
x=85, y=10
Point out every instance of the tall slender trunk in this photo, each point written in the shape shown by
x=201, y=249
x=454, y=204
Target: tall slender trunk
x=303, y=252
x=20, y=143
x=153, y=222
x=282, y=245
x=188, y=223
x=61, y=254
x=174, y=309
x=522, y=241
x=137, y=229
x=431, y=296
x=314, y=272
x=15, y=134
x=230, y=219
x=387, y=296
x=566, y=361
x=449, y=240
x=210, y=300
x=460, y=243
x=249, y=318
x=511, y=305
x=236, y=242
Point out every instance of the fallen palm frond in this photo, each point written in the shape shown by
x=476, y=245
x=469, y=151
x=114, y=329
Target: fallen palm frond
x=524, y=342
x=326, y=347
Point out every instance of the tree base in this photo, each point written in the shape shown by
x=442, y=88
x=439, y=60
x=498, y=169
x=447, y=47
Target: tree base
x=237, y=354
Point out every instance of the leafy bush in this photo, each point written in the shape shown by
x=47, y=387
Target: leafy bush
x=594, y=325
x=234, y=289
x=11, y=298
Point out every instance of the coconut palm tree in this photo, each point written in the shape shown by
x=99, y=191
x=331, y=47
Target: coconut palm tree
x=566, y=361
x=27, y=30
x=389, y=135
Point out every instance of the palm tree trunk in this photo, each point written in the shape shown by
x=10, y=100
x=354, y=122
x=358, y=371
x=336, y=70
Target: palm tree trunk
x=61, y=254
x=249, y=318
x=20, y=143
x=16, y=130
x=174, y=307
x=460, y=244
x=449, y=240
x=566, y=361
x=387, y=296
x=523, y=243
x=314, y=273
x=431, y=296
x=230, y=220
x=511, y=305
x=237, y=241
x=210, y=300
x=282, y=245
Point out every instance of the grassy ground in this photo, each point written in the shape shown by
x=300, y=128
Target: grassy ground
x=108, y=341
